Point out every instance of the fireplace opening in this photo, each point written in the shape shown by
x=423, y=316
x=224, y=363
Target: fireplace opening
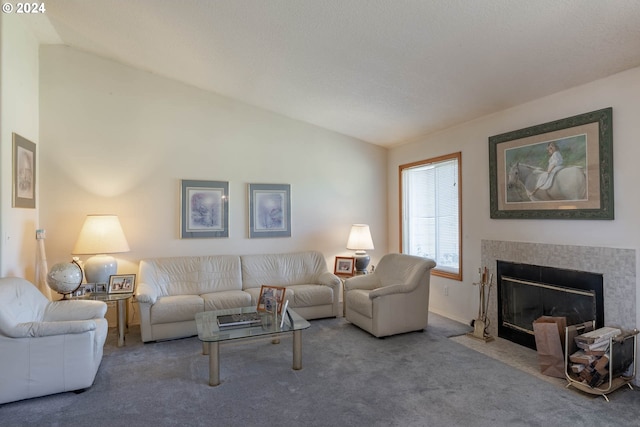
x=526, y=292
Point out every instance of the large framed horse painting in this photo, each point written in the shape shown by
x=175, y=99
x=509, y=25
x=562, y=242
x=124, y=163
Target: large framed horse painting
x=556, y=170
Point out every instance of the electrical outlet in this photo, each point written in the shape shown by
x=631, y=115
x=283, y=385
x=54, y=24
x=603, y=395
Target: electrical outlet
x=446, y=290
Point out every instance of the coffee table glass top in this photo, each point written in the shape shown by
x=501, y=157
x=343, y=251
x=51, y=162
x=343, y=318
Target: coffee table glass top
x=209, y=331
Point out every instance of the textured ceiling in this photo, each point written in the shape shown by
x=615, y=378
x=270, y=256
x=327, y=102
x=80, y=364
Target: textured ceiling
x=384, y=71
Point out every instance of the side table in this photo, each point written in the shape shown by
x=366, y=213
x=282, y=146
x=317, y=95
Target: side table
x=122, y=300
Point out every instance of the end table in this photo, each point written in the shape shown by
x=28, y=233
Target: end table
x=121, y=299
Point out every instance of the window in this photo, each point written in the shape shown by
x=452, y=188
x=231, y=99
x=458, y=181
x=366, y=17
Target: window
x=430, y=212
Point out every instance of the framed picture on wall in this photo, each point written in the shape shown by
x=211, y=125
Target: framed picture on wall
x=24, y=173
x=556, y=170
x=204, y=209
x=269, y=210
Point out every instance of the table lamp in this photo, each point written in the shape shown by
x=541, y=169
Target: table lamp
x=360, y=241
x=100, y=235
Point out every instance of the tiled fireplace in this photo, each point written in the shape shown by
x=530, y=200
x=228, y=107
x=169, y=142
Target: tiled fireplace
x=617, y=267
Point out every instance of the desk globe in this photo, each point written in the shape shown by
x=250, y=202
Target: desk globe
x=65, y=278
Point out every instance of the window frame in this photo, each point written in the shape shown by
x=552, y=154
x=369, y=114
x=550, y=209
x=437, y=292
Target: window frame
x=447, y=157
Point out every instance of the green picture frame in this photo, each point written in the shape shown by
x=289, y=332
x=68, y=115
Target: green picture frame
x=525, y=185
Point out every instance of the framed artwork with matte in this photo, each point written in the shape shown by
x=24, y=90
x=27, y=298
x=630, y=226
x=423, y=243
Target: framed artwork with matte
x=24, y=172
x=557, y=170
x=204, y=209
x=269, y=210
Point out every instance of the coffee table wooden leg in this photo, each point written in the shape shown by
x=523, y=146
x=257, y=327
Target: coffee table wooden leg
x=214, y=364
x=297, y=350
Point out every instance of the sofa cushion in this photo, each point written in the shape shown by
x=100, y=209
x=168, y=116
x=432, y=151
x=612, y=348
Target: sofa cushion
x=178, y=308
x=282, y=269
x=226, y=299
x=309, y=295
x=192, y=275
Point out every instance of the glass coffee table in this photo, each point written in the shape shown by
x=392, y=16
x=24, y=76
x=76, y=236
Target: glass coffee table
x=212, y=335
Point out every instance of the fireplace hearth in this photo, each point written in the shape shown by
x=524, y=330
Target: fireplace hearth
x=526, y=292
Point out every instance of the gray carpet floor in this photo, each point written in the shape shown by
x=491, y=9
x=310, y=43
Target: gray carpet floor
x=349, y=378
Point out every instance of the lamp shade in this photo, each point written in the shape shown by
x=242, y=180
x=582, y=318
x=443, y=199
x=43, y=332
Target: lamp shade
x=360, y=238
x=101, y=234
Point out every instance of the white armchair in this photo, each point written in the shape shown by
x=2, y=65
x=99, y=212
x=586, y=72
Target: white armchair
x=393, y=299
x=47, y=347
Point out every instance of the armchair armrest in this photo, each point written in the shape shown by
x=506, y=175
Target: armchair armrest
x=46, y=329
x=367, y=281
x=74, y=310
x=146, y=293
x=396, y=288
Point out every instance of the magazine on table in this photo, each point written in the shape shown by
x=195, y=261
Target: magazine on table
x=240, y=319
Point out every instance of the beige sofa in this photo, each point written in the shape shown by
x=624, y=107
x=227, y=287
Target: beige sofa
x=171, y=291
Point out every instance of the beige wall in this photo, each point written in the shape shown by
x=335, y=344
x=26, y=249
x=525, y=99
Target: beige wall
x=115, y=139
x=19, y=114
x=621, y=91
x=119, y=140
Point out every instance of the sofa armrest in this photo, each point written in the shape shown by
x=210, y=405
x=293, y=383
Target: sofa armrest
x=74, y=310
x=46, y=329
x=330, y=280
x=367, y=281
x=146, y=293
x=396, y=288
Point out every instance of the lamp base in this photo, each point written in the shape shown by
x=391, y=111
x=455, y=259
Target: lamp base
x=98, y=268
x=362, y=262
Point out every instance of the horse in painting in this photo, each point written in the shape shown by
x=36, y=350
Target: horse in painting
x=569, y=183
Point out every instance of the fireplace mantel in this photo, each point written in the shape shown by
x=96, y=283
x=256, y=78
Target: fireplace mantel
x=618, y=267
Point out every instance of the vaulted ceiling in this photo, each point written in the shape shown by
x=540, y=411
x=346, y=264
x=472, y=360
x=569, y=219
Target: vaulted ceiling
x=384, y=71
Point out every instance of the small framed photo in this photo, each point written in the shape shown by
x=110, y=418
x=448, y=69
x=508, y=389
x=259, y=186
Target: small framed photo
x=81, y=291
x=344, y=266
x=270, y=295
x=122, y=283
x=101, y=288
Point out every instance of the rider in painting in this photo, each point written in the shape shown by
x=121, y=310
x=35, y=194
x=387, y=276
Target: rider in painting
x=555, y=164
